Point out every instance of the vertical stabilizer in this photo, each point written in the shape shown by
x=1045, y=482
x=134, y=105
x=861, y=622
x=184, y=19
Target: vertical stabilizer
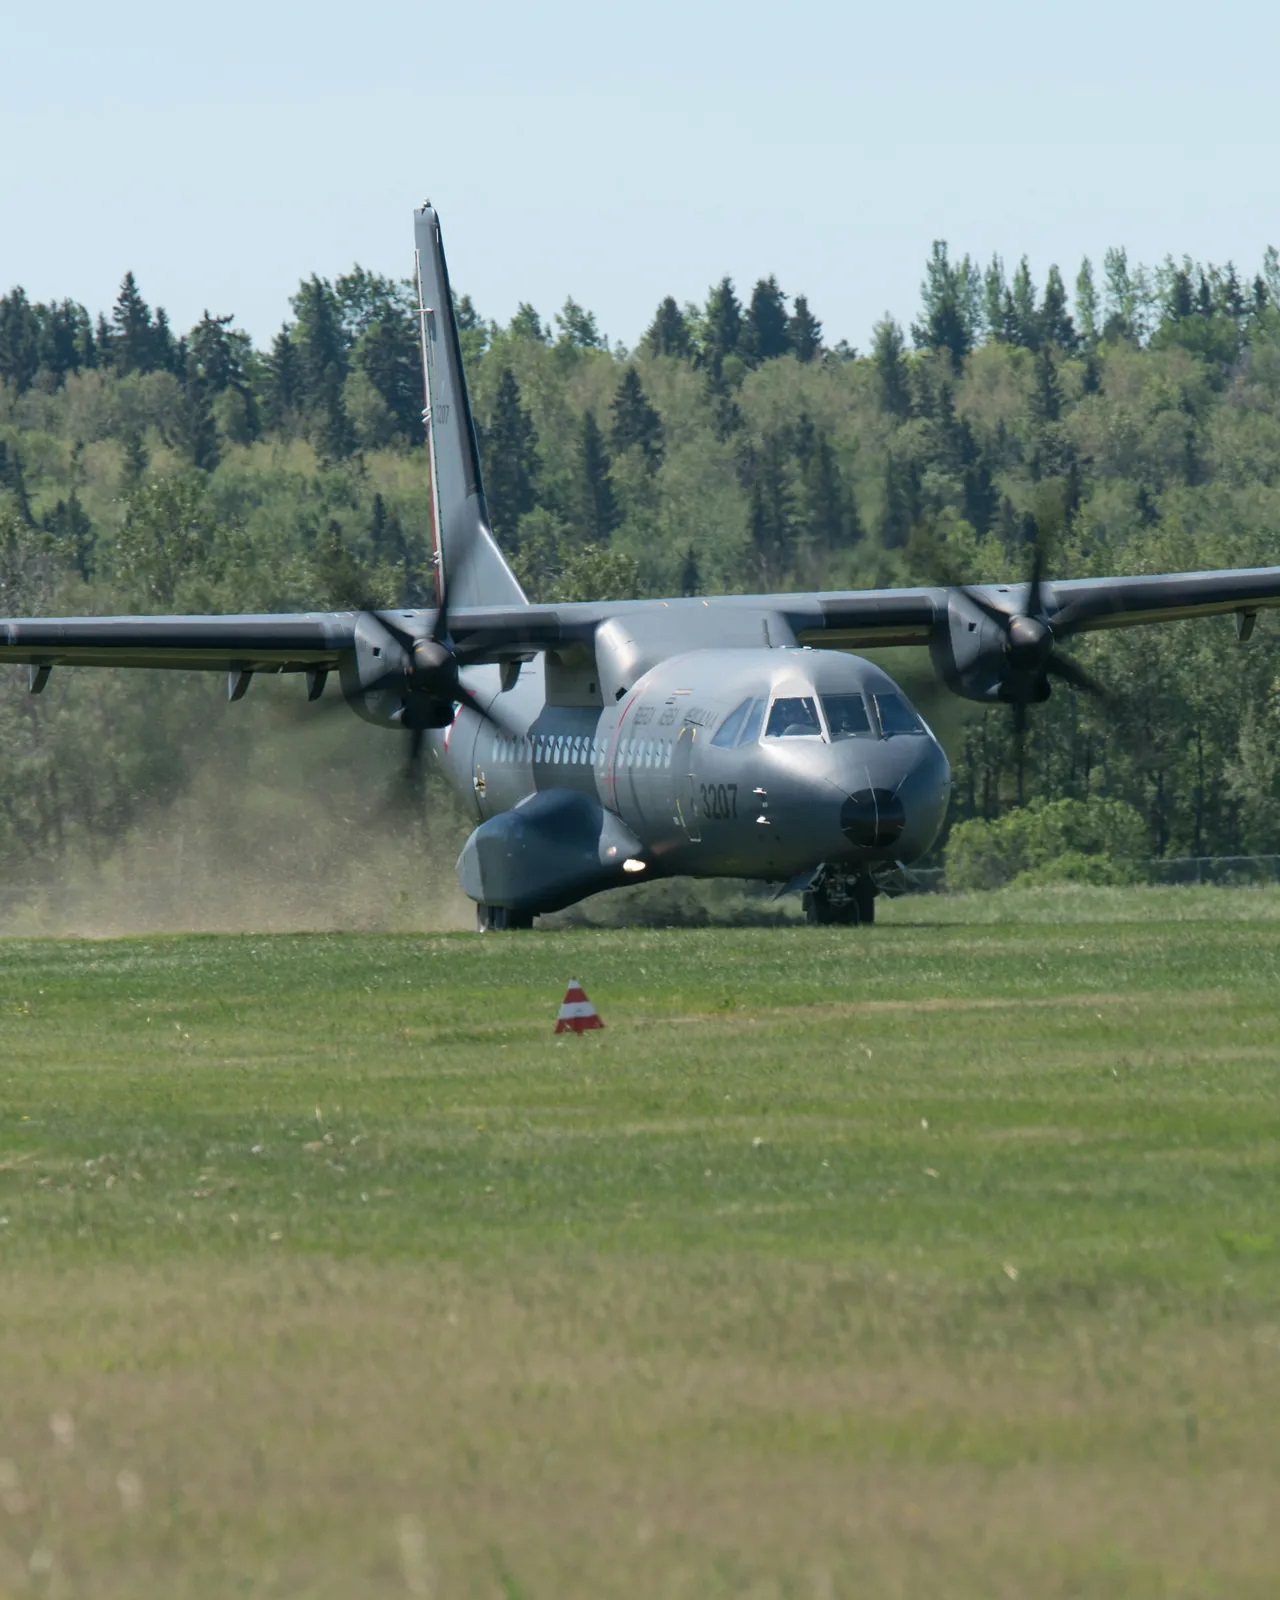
x=474, y=567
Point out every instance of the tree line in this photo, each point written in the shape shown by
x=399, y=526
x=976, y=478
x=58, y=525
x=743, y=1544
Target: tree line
x=1131, y=424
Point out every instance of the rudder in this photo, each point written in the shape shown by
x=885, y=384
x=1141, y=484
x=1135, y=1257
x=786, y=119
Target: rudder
x=476, y=570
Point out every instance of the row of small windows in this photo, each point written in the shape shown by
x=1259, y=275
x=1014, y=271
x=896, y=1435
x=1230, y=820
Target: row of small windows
x=578, y=750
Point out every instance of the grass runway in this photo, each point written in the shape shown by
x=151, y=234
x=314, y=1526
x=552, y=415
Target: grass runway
x=941, y=1259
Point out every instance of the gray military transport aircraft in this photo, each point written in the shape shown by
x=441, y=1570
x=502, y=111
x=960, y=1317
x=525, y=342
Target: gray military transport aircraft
x=602, y=744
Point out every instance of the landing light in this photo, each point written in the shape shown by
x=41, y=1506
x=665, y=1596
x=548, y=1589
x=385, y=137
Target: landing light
x=632, y=865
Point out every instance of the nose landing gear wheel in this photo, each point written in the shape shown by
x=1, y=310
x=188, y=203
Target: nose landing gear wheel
x=840, y=902
x=501, y=919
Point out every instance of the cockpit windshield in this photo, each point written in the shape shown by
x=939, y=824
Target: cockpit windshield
x=847, y=716
x=896, y=716
x=793, y=717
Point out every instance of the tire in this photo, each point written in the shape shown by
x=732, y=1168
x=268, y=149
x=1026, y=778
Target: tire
x=501, y=919
x=858, y=910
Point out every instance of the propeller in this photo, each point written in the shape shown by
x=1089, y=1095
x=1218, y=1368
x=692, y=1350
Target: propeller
x=425, y=668
x=1031, y=653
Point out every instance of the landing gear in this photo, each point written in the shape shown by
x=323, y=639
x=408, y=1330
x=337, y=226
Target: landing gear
x=501, y=919
x=837, y=900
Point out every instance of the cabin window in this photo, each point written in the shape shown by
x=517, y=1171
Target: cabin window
x=794, y=717
x=896, y=716
x=847, y=716
x=726, y=735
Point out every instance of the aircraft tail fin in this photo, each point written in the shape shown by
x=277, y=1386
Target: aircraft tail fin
x=475, y=569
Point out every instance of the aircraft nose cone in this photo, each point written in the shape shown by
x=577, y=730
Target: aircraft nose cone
x=871, y=817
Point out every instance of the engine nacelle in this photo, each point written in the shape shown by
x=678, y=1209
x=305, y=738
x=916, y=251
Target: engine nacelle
x=378, y=657
x=972, y=658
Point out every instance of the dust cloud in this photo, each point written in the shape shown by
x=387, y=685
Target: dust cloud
x=292, y=818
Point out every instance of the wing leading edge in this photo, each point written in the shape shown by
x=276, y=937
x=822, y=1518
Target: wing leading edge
x=853, y=620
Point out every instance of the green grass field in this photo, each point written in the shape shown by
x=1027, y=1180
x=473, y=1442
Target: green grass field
x=941, y=1259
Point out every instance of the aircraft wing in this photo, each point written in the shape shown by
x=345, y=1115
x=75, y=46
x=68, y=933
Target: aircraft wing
x=870, y=618
x=284, y=643
x=852, y=620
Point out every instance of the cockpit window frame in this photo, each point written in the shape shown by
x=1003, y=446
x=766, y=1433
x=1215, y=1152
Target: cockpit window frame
x=812, y=700
x=872, y=729
x=920, y=728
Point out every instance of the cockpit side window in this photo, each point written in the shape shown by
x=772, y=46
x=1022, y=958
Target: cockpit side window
x=752, y=726
x=726, y=735
x=896, y=716
x=847, y=716
x=793, y=717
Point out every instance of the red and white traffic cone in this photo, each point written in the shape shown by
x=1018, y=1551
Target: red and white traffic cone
x=577, y=1014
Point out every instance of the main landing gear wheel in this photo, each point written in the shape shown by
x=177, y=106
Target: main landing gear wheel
x=501, y=919
x=841, y=902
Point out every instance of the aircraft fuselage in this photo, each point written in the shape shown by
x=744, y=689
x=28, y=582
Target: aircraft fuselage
x=754, y=763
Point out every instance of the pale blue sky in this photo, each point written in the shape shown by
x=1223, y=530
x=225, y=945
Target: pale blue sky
x=223, y=153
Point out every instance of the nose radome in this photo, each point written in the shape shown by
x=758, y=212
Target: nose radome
x=872, y=817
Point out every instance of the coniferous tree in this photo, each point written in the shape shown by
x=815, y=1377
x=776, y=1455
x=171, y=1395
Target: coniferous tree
x=322, y=348
x=213, y=356
x=668, y=333
x=1026, y=321
x=136, y=461
x=392, y=546
x=722, y=325
x=888, y=355
x=949, y=297
x=994, y=290
x=133, y=336
x=828, y=516
x=804, y=332
x=511, y=463
x=1233, y=301
x=69, y=524
x=726, y=413
x=283, y=388
x=1180, y=299
x=980, y=499
x=19, y=341
x=690, y=581
x=1056, y=326
x=1087, y=311
x=13, y=479
x=1048, y=395
x=103, y=341
x=597, y=504
x=66, y=340
x=191, y=427
x=771, y=509
x=636, y=425
x=167, y=353
x=764, y=333
x=902, y=501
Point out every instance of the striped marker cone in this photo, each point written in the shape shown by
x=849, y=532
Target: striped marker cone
x=577, y=1014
